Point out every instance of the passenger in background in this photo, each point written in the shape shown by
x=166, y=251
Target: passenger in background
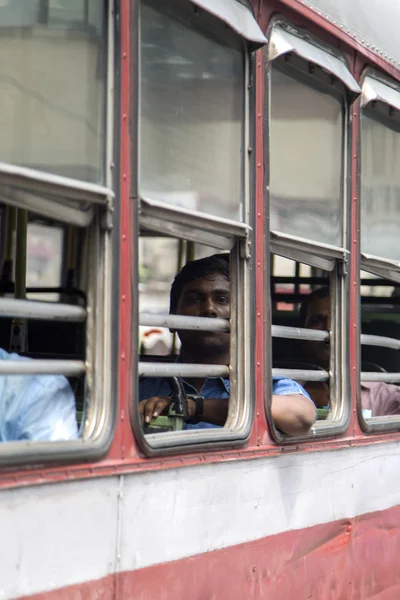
x=202, y=289
x=35, y=407
x=315, y=313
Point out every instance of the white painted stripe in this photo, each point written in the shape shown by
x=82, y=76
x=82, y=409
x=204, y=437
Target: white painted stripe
x=68, y=533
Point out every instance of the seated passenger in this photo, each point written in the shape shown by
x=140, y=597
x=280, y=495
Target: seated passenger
x=379, y=397
x=202, y=289
x=35, y=407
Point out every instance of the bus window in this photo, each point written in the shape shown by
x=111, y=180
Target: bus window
x=309, y=91
x=194, y=203
x=379, y=393
x=57, y=264
x=301, y=298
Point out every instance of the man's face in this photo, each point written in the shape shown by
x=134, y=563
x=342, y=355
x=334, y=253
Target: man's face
x=318, y=317
x=206, y=297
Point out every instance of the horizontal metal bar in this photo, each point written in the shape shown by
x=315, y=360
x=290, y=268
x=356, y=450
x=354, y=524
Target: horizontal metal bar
x=301, y=256
x=48, y=183
x=42, y=367
x=321, y=250
x=190, y=224
x=148, y=369
x=181, y=322
x=49, y=311
x=301, y=374
x=382, y=267
x=381, y=341
x=299, y=333
x=47, y=208
x=385, y=377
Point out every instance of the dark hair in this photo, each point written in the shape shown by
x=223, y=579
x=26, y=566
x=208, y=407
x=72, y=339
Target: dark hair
x=322, y=292
x=217, y=263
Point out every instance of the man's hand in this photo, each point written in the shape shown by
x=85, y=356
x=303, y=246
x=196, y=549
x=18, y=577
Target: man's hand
x=158, y=405
x=154, y=407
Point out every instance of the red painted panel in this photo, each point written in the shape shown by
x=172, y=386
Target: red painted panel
x=350, y=559
x=354, y=559
x=102, y=589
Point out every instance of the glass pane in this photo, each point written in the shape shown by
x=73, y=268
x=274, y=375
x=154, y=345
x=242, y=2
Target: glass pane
x=305, y=161
x=53, y=87
x=191, y=118
x=380, y=189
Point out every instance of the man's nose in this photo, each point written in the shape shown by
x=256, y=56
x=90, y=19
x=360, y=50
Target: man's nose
x=209, y=308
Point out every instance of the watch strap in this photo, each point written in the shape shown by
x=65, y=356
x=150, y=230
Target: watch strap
x=198, y=415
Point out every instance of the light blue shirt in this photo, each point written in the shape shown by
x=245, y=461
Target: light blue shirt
x=36, y=407
x=214, y=387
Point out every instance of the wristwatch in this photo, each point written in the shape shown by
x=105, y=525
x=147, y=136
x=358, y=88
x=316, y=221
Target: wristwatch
x=198, y=414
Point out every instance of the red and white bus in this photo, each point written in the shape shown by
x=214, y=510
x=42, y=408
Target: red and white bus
x=138, y=134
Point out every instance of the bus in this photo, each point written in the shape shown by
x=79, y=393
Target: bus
x=139, y=135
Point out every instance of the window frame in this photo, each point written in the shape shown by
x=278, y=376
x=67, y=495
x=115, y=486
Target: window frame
x=376, y=265
x=236, y=236
x=88, y=206
x=333, y=258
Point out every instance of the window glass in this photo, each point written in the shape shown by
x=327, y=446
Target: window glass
x=380, y=189
x=305, y=157
x=191, y=118
x=53, y=87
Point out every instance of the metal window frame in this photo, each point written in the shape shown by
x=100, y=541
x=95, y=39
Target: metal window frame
x=98, y=430
x=376, y=87
x=330, y=258
x=235, y=236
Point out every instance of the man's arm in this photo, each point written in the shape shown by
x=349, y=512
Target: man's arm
x=293, y=414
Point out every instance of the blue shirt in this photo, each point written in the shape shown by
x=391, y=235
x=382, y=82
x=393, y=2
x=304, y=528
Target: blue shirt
x=214, y=387
x=35, y=407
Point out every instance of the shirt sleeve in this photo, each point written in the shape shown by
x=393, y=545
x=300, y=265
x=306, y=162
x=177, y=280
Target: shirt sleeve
x=47, y=410
x=286, y=387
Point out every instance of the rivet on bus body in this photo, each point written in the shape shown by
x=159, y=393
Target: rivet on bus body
x=258, y=364
x=258, y=414
x=123, y=355
x=124, y=237
x=124, y=116
x=123, y=298
x=124, y=55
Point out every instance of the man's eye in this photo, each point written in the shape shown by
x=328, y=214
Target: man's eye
x=223, y=300
x=192, y=299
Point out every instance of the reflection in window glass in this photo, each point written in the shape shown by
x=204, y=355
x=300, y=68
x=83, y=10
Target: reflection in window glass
x=191, y=118
x=305, y=161
x=53, y=88
x=380, y=189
